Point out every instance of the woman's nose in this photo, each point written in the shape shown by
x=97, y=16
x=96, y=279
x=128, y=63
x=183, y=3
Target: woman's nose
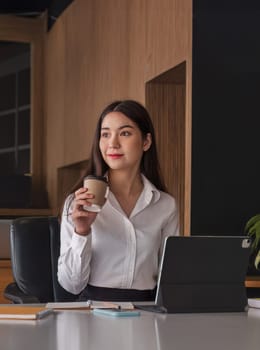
x=114, y=142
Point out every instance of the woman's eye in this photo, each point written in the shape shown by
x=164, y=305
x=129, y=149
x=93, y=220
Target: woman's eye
x=104, y=134
x=125, y=133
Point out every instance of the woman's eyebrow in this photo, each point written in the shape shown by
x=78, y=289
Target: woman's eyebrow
x=126, y=126
x=121, y=127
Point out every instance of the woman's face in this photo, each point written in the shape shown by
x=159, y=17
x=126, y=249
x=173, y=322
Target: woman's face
x=121, y=142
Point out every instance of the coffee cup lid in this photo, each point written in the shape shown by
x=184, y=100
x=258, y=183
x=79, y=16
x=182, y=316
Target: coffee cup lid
x=95, y=177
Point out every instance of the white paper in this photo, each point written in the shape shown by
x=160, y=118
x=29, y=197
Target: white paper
x=254, y=302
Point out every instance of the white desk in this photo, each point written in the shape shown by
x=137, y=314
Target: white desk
x=78, y=330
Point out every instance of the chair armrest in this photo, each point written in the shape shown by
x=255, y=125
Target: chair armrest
x=13, y=293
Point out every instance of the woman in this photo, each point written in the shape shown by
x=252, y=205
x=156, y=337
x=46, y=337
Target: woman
x=115, y=254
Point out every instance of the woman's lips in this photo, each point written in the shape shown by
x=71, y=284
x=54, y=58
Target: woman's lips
x=115, y=156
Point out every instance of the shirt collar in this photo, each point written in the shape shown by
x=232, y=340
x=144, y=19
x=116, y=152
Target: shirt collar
x=150, y=191
x=149, y=194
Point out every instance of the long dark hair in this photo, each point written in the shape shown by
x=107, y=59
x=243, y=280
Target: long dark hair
x=149, y=164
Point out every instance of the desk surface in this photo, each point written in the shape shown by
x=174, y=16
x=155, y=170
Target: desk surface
x=78, y=330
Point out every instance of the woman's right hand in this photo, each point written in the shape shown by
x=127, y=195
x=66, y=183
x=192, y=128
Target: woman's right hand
x=82, y=218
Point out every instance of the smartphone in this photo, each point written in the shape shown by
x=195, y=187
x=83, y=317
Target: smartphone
x=116, y=312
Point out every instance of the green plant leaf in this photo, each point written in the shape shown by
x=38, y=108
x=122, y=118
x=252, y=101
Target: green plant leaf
x=257, y=261
x=257, y=229
x=251, y=222
x=252, y=228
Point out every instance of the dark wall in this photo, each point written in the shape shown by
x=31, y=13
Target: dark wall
x=226, y=116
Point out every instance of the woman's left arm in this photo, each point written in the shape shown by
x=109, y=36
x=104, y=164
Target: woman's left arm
x=171, y=228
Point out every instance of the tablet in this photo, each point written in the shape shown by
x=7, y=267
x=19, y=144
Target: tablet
x=202, y=274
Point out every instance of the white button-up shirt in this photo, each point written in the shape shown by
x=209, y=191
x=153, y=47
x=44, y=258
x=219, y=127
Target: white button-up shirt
x=120, y=251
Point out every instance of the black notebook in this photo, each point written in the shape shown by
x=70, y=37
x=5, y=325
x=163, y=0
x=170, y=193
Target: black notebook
x=202, y=274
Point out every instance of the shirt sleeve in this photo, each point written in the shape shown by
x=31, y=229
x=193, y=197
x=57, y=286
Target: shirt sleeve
x=75, y=254
x=171, y=227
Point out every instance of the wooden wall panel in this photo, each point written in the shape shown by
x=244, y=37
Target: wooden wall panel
x=101, y=50
x=55, y=87
x=14, y=28
x=165, y=98
x=168, y=35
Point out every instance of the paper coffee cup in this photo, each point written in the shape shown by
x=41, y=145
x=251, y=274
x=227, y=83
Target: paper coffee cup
x=98, y=186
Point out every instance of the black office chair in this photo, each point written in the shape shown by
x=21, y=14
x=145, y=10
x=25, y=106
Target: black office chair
x=35, y=247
